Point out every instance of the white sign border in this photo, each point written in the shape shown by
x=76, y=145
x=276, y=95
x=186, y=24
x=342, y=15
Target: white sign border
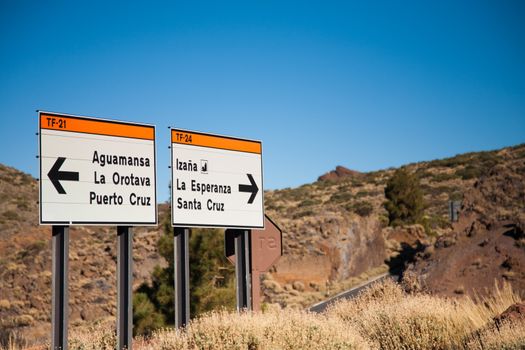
x=94, y=223
x=173, y=224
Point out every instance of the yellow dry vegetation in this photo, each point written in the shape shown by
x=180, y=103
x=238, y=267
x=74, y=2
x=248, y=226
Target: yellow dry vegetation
x=384, y=316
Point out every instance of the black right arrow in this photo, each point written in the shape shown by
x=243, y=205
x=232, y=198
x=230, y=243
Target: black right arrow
x=55, y=175
x=252, y=188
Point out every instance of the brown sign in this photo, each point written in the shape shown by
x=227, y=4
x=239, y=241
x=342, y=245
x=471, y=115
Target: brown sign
x=266, y=246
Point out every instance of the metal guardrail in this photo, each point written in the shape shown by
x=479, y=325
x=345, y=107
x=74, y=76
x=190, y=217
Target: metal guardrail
x=350, y=293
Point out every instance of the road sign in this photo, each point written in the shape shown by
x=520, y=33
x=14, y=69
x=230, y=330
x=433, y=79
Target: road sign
x=216, y=181
x=266, y=246
x=96, y=171
x=453, y=210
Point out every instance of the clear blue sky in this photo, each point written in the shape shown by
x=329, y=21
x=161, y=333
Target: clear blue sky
x=367, y=85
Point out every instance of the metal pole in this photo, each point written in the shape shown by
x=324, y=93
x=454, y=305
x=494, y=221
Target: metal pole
x=256, y=290
x=124, y=282
x=59, y=311
x=248, y=258
x=242, y=269
x=182, y=276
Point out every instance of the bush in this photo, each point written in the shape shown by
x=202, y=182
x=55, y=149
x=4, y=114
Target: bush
x=303, y=213
x=363, y=208
x=444, y=177
x=37, y=246
x=11, y=215
x=211, y=281
x=145, y=318
x=469, y=172
x=307, y=203
x=341, y=197
x=382, y=316
x=292, y=329
x=389, y=318
x=404, y=198
x=362, y=194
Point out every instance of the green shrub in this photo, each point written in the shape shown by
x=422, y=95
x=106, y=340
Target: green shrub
x=469, y=172
x=362, y=194
x=146, y=319
x=303, y=213
x=520, y=154
x=443, y=177
x=404, y=202
x=306, y=203
x=383, y=220
x=422, y=173
x=457, y=195
x=340, y=197
x=10, y=215
x=432, y=222
x=211, y=275
x=363, y=208
x=211, y=280
x=451, y=162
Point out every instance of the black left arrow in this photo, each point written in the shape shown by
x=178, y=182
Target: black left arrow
x=252, y=188
x=55, y=175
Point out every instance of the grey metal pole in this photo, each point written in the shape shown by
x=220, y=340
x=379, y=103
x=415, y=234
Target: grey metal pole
x=242, y=269
x=182, y=276
x=248, y=258
x=124, y=283
x=59, y=310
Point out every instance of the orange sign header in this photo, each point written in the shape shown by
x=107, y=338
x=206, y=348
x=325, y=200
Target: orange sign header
x=96, y=126
x=214, y=141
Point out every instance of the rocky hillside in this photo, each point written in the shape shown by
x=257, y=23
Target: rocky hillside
x=488, y=241
x=334, y=230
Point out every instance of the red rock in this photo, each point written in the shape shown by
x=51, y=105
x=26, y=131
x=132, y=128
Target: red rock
x=338, y=173
x=515, y=313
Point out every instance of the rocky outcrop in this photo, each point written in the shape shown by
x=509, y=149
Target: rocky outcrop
x=515, y=313
x=339, y=173
x=339, y=246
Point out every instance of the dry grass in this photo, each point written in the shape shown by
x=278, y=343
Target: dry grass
x=391, y=319
x=271, y=330
x=381, y=317
x=507, y=336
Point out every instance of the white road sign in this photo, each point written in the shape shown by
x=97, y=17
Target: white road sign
x=96, y=171
x=216, y=181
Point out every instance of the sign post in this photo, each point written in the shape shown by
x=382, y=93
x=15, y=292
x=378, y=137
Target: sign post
x=95, y=172
x=242, y=269
x=124, y=282
x=453, y=210
x=182, y=276
x=59, y=311
x=265, y=250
